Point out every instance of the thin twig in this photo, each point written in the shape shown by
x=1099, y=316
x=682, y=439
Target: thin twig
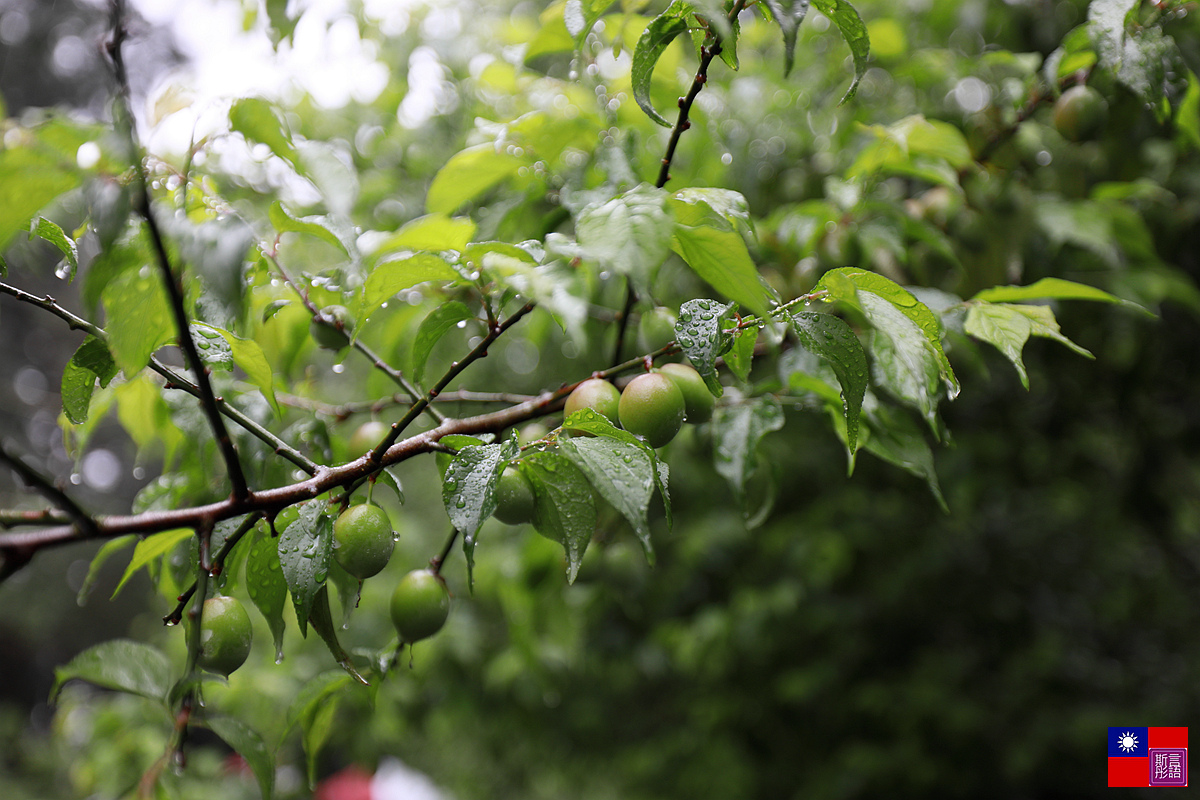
x=44, y=486
x=172, y=278
x=435, y=563
x=175, y=379
x=707, y=53
x=12, y=517
x=218, y=563
x=495, y=331
x=343, y=411
x=376, y=361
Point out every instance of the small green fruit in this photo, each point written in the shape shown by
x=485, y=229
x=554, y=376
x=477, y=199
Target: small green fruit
x=420, y=605
x=652, y=407
x=225, y=635
x=698, y=401
x=656, y=329
x=331, y=327
x=367, y=437
x=1079, y=113
x=514, y=498
x=363, y=540
x=596, y=394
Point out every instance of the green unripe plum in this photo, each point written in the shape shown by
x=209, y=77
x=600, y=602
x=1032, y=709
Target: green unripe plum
x=596, y=394
x=514, y=498
x=225, y=635
x=420, y=605
x=652, y=407
x=698, y=401
x=331, y=327
x=368, y=435
x=1079, y=113
x=656, y=329
x=363, y=540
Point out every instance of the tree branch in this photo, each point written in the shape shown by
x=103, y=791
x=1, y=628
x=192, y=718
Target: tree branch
x=44, y=486
x=172, y=279
x=707, y=53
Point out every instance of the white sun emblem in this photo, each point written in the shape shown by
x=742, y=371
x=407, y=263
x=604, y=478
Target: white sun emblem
x=1127, y=742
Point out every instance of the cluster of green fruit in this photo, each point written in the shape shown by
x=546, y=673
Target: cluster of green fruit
x=652, y=406
x=363, y=540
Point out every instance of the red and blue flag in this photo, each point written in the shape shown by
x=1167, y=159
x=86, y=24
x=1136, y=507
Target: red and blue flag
x=1147, y=756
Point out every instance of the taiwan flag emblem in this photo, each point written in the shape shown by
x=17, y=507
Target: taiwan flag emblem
x=1147, y=757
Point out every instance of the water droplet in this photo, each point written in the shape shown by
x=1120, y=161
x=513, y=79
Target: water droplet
x=461, y=504
x=279, y=656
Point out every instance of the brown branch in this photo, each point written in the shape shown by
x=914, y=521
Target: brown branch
x=172, y=278
x=82, y=521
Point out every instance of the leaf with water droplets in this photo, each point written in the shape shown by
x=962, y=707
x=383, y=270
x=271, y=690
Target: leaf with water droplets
x=321, y=617
x=120, y=664
x=737, y=431
x=267, y=587
x=565, y=508
x=622, y=473
x=700, y=331
x=851, y=286
x=304, y=550
x=468, y=490
x=432, y=329
x=832, y=339
x=1008, y=326
x=658, y=35
x=629, y=234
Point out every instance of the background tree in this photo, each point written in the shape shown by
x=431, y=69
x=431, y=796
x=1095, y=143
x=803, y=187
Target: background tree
x=830, y=635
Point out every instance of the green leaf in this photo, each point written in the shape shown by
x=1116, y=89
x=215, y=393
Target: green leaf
x=1046, y=289
x=788, y=17
x=658, y=35
x=849, y=284
x=737, y=431
x=53, y=234
x=580, y=16
x=468, y=489
x=434, y=232
x=318, y=226
x=1083, y=223
x=31, y=179
x=281, y=23
x=700, y=331
x=629, y=234
x=258, y=121
x=854, y=31
x=740, y=357
x=98, y=562
x=90, y=362
x=249, y=357
x=1106, y=24
x=150, y=548
x=138, y=318
x=896, y=439
x=249, y=745
x=390, y=277
x=565, y=509
x=622, y=473
x=431, y=331
x=903, y=362
x=304, y=550
x=388, y=478
x=468, y=174
x=321, y=617
x=832, y=339
x=121, y=665
x=1008, y=327
x=313, y=710
x=211, y=345
x=267, y=586
x=715, y=248
x=216, y=251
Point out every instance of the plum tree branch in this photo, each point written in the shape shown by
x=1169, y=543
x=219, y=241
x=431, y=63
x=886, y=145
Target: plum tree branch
x=172, y=278
x=682, y=122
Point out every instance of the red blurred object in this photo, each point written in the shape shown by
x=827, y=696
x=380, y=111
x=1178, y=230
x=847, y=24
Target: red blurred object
x=351, y=783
